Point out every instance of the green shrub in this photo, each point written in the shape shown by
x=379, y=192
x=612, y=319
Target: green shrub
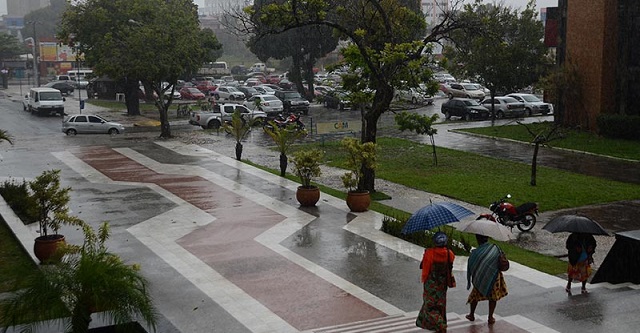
x=456, y=242
x=20, y=200
x=619, y=126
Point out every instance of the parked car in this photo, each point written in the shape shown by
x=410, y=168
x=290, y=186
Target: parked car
x=228, y=93
x=508, y=107
x=272, y=86
x=532, y=104
x=336, y=99
x=248, y=91
x=273, y=78
x=412, y=95
x=464, y=90
x=65, y=87
x=90, y=124
x=206, y=87
x=267, y=103
x=285, y=84
x=466, y=108
x=264, y=89
x=191, y=93
x=176, y=94
x=293, y=101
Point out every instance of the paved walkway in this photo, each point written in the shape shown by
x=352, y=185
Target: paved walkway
x=227, y=249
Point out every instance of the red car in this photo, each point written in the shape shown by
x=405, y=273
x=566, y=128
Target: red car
x=206, y=87
x=273, y=79
x=191, y=93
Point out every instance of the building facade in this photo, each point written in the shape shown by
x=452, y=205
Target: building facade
x=602, y=42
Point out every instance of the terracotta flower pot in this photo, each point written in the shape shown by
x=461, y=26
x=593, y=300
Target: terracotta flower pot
x=358, y=201
x=308, y=197
x=45, y=247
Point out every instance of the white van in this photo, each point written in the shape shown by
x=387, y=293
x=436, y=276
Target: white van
x=44, y=101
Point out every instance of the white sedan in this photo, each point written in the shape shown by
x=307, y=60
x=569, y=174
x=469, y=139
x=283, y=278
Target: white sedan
x=266, y=103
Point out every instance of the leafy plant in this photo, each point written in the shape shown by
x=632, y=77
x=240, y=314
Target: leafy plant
x=359, y=156
x=51, y=202
x=239, y=128
x=88, y=279
x=284, y=137
x=307, y=165
x=19, y=199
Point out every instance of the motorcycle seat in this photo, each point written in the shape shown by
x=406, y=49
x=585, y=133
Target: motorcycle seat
x=526, y=207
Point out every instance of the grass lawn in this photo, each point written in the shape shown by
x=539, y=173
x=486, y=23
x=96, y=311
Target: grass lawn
x=481, y=180
x=576, y=140
x=12, y=256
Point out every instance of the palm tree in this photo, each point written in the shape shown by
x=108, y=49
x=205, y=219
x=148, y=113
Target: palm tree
x=88, y=279
x=239, y=128
x=284, y=137
x=4, y=136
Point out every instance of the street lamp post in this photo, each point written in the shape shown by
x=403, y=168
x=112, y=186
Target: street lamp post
x=75, y=46
x=35, y=63
x=35, y=56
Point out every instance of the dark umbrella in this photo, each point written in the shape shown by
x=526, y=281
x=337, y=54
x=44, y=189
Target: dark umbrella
x=574, y=223
x=435, y=215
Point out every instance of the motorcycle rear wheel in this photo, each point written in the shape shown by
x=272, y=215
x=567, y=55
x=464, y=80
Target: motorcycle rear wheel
x=527, y=223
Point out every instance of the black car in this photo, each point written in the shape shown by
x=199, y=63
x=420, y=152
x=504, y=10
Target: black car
x=293, y=102
x=336, y=99
x=466, y=108
x=66, y=88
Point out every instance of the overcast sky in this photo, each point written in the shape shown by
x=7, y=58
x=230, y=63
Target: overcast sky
x=514, y=3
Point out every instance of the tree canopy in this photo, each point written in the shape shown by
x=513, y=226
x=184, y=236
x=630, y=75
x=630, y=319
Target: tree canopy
x=389, y=46
x=10, y=47
x=132, y=41
x=498, y=47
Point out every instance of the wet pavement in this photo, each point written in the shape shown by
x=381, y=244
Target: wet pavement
x=227, y=248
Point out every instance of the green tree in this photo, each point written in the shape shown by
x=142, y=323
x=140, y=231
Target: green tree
x=5, y=136
x=10, y=47
x=284, y=137
x=420, y=124
x=388, y=48
x=239, y=128
x=88, y=279
x=132, y=41
x=498, y=47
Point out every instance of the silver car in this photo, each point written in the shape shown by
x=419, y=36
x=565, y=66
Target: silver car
x=266, y=103
x=533, y=104
x=505, y=106
x=90, y=124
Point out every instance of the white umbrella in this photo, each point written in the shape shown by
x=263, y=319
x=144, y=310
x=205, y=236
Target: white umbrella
x=488, y=228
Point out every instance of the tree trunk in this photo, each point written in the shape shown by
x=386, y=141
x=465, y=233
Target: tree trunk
x=238, y=151
x=283, y=164
x=534, y=164
x=296, y=76
x=310, y=78
x=433, y=146
x=131, y=98
x=381, y=102
x=81, y=318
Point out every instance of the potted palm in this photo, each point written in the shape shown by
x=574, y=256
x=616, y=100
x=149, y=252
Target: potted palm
x=51, y=202
x=87, y=279
x=306, y=164
x=359, y=156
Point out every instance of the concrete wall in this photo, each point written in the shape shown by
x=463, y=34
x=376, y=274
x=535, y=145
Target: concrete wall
x=591, y=44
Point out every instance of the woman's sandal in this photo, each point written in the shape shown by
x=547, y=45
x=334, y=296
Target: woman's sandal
x=568, y=290
x=491, y=321
x=584, y=291
x=470, y=317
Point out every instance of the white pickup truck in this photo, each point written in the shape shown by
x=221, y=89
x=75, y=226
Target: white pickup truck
x=223, y=112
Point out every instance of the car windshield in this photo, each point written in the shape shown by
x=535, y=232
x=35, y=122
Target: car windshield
x=471, y=102
x=50, y=96
x=270, y=98
x=530, y=98
x=193, y=90
x=293, y=95
x=267, y=88
x=510, y=100
x=471, y=87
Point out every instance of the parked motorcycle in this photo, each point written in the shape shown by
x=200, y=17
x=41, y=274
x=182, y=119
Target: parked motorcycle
x=505, y=213
x=284, y=122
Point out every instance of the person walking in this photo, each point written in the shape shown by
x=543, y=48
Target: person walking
x=581, y=248
x=488, y=282
x=436, y=265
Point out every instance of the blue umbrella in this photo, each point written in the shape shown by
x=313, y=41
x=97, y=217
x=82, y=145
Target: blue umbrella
x=435, y=215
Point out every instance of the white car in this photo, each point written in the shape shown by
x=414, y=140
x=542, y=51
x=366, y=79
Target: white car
x=264, y=90
x=228, y=93
x=90, y=124
x=266, y=103
x=413, y=96
x=533, y=104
